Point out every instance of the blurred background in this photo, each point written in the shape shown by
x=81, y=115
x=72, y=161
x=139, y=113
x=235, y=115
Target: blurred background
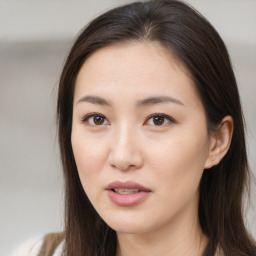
x=35, y=37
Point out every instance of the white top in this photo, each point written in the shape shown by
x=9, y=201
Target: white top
x=32, y=248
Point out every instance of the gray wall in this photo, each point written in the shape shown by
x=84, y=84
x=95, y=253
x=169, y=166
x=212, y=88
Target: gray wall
x=34, y=39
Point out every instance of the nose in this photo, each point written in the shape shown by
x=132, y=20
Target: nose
x=125, y=153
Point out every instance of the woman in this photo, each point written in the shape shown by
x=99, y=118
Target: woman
x=151, y=137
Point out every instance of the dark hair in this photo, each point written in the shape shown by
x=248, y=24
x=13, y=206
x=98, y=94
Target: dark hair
x=194, y=42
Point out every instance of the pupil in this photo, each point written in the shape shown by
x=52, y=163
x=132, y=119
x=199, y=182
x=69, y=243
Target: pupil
x=158, y=120
x=98, y=120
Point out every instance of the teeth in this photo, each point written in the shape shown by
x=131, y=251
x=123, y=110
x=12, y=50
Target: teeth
x=126, y=191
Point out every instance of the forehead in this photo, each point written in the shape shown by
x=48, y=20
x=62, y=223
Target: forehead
x=135, y=69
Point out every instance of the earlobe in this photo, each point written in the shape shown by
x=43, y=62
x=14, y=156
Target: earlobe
x=220, y=142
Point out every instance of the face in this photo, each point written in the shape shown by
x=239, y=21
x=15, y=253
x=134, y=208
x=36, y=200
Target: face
x=139, y=137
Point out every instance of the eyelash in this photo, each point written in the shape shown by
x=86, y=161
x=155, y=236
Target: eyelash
x=161, y=115
x=87, y=117
x=166, y=117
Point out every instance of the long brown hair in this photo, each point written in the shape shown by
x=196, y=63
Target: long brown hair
x=193, y=40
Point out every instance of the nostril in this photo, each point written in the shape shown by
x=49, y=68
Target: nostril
x=125, y=157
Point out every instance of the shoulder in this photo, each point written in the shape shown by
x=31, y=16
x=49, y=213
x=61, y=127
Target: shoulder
x=50, y=244
x=29, y=248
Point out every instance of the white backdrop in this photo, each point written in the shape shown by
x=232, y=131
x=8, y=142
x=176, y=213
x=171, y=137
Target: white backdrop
x=35, y=37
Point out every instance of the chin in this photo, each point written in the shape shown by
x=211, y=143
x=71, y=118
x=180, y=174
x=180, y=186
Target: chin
x=128, y=229
x=128, y=226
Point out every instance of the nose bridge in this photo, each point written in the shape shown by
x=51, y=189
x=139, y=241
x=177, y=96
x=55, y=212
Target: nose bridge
x=123, y=135
x=125, y=152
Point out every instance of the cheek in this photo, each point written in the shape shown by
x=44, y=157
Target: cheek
x=178, y=163
x=90, y=157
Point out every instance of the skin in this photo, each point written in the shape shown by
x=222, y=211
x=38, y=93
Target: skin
x=128, y=145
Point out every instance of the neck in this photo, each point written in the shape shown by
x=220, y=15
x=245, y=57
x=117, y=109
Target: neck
x=181, y=237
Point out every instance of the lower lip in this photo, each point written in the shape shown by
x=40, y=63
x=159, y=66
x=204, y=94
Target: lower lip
x=127, y=200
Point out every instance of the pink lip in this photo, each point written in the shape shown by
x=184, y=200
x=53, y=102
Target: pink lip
x=128, y=199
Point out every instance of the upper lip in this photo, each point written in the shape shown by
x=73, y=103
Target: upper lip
x=126, y=184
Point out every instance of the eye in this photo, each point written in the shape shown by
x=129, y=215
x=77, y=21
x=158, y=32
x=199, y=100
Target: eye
x=95, y=119
x=159, y=120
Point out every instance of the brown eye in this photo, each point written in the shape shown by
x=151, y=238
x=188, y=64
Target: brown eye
x=98, y=120
x=95, y=120
x=158, y=120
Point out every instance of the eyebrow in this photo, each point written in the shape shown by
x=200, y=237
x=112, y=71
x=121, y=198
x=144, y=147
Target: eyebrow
x=157, y=100
x=94, y=100
x=140, y=103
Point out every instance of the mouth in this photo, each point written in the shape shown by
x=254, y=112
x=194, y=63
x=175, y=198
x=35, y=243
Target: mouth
x=126, y=188
x=127, y=193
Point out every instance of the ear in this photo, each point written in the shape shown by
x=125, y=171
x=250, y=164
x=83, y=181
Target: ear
x=220, y=142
